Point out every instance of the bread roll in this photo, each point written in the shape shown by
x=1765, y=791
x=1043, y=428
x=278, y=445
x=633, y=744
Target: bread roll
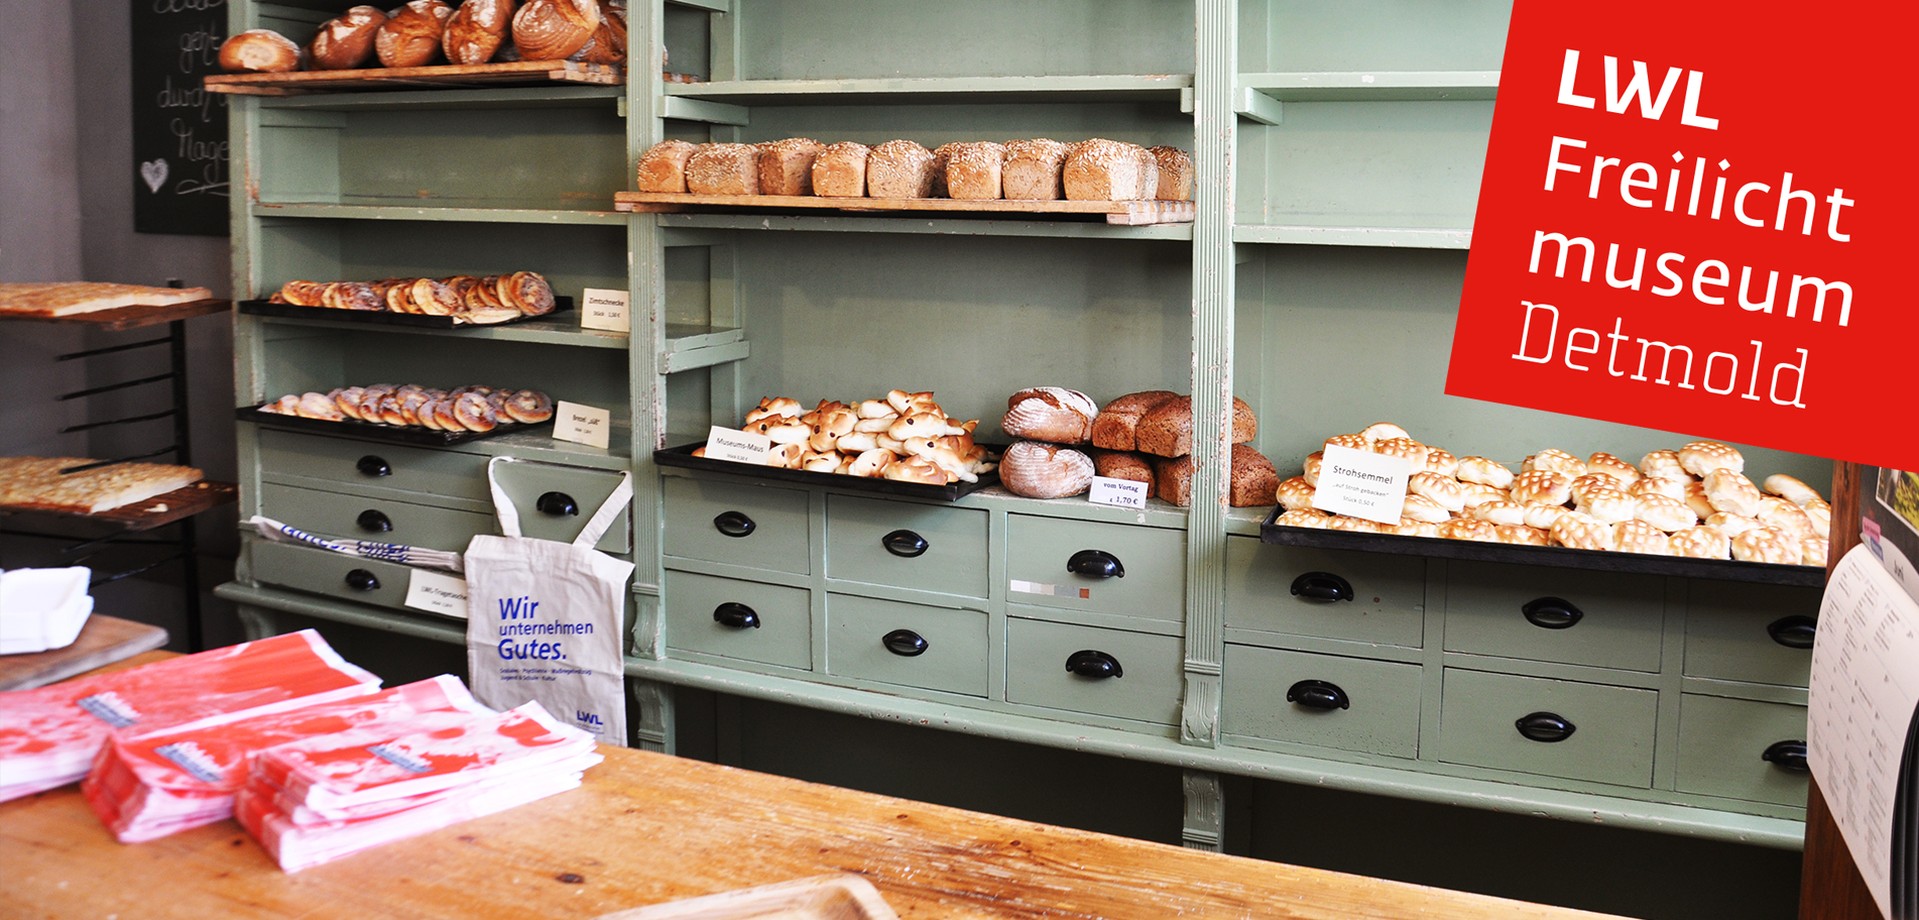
x=1663, y=464
x=1469, y=529
x=1039, y=470
x=1592, y=481
x=1790, y=489
x=1479, y=493
x=1166, y=430
x=1763, y=544
x=1557, y=461
x=1730, y=491
x=411, y=36
x=1700, y=543
x=1414, y=452
x=1580, y=531
x=1609, y=506
x=476, y=31
x=663, y=166
x=1440, y=460
x=1542, y=487
x=1424, y=510
x=1101, y=170
x=1702, y=457
x=786, y=166
x=1304, y=517
x=839, y=170
x=1641, y=537
x=1175, y=174
x=1659, y=485
x=899, y=169
x=1120, y=464
x=1032, y=168
x=1665, y=512
x=1609, y=465
x=1444, y=490
x=1503, y=511
x=723, y=169
x=1054, y=414
x=346, y=41
x=1484, y=471
x=974, y=170
x=1116, y=425
x=1295, y=493
x=551, y=30
x=259, y=51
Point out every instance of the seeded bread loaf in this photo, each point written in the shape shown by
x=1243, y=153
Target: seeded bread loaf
x=839, y=171
x=1102, y=170
x=973, y=170
x=786, y=166
x=663, y=166
x=1116, y=425
x=899, y=169
x=1175, y=174
x=1167, y=429
x=723, y=169
x=1031, y=172
x=1251, y=480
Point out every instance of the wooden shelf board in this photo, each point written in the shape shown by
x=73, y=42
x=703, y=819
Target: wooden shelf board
x=178, y=504
x=121, y=319
x=1126, y=213
x=1382, y=236
x=939, y=90
x=439, y=75
x=949, y=226
x=544, y=95
x=1381, y=86
x=471, y=213
x=102, y=641
x=553, y=330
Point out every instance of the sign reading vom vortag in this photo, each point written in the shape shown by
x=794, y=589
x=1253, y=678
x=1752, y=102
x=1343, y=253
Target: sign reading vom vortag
x=1691, y=219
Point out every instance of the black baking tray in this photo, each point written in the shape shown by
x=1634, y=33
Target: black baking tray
x=385, y=317
x=682, y=457
x=1765, y=573
x=394, y=434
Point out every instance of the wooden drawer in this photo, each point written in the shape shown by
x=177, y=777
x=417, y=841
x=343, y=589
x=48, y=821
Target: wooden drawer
x=1612, y=727
x=382, y=520
x=1375, y=598
x=912, y=645
x=1723, y=743
x=1730, y=627
x=1353, y=704
x=738, y=619
x=578, y=489
x=353, y=578
x=1146, y=685
x=1517, y=612
x=1148, y=567
x=906, y=545
x=363, y=463
x=737, y=523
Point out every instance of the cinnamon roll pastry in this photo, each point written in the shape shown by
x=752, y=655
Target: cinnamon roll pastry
x=474, y=413
x=318, y=405
x=528, y=292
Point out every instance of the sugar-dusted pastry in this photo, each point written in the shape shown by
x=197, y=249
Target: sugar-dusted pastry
x=1791, y=489
x=1609, y=505
x=1663, y=463
x=1664, y=512
x=529, y=407
x=1485, y=471
x=1504, y=511
x=1730, y=491
x=1640, y=537
x=1702, y=457
x=1295, y=493
x=1469, y=529
x=1535, y=487
x=1555, y=460
x=1443, y=490
x=1700, y=543
x=1039, y=470
x=1764, y=544
x=1054, y=414
x=318, y=405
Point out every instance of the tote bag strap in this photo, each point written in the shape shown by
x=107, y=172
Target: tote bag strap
x=596, y=526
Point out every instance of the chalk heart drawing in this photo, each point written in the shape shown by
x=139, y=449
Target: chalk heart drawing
x=154, y=172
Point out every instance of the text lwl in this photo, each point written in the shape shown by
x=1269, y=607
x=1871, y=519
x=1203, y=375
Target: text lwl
x=1638, y=89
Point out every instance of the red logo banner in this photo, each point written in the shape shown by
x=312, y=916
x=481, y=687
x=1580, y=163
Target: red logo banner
x=1689, y=221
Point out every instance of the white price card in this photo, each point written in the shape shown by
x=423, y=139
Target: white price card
x=737, y=446
x=436, y=592
x=1362, y=484
x=581, y=424
x=604, y=309
x=1122, y=493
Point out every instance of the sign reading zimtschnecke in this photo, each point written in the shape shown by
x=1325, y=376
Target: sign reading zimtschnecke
x=1694, y=217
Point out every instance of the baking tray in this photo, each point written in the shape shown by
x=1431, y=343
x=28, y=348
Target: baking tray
x=392, y=434
x=386, y=317
x=1765, y=573
x=682, y=457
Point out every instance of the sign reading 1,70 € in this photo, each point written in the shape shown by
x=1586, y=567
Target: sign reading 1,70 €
x=1693, y=218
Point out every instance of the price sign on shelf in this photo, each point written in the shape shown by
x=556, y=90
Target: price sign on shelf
x=1362, y=484
x=604, y=309
x=582, y=424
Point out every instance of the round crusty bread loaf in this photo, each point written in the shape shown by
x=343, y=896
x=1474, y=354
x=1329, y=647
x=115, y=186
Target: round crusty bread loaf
x=549, y=30
x=1039, y=470
x=1054, y=414
x=259, y=51
x=346, y=41
x=1116, y=425
x=1166, y=430
x=411, y=36
x=476, y=31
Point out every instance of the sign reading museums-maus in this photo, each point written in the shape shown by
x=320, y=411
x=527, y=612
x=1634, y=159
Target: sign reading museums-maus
x=1691, y=219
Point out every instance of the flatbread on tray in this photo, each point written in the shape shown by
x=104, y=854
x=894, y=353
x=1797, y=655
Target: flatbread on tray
x=66, y=298
x=36, y=483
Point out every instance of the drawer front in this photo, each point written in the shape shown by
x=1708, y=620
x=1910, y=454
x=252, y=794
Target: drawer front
x=1729, y=632
x=912, y=645
x=1146, y=688
x=1353, y=704
x=1499, y=610
x=389, y=466
x=738, y=619
x=545, y=492
x=1722, y=743
x=907, y=545
x=1152, y=560
x=703, y=518
x=338, y=514
x=1297, y=591
x=1612, y=727
x=352, y=578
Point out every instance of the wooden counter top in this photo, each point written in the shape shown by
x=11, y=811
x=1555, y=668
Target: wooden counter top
x=648, y=828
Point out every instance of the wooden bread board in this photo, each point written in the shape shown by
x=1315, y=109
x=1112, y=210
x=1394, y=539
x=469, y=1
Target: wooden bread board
x=438, y=75
x=1130, y=213
x=102, y=641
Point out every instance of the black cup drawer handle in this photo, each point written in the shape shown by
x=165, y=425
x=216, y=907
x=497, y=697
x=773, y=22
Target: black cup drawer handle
x=904, y=543
x=736, y=615
x=1545, y=727
x=1093, y=664
x=557, y=504
x=373, y=466
x=1318, y=694
x=1095, y=563
x=1322, y=586
x=373, y=521
x=1552, y=613
x=904, y=643
x=1793, y=631
x=362, y=580
x=733, y=524
x=1789, y=756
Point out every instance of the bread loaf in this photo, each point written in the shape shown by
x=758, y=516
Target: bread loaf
x=1101, y=170
x=839, y=171
x=1251, y=480
x=608, y=44
x=973, y=171
x=1031, y=170
x=1175, y=174
x=1120, y=464
x=941, y=155
x=476, y=31
x=1039, y=470
x=1167, y=429
x=411, y=36
x=723, y=169
x=259, y=51
x=899, y=169
x=1148, y=174
x=786, y=166
x=551, y=30
x=663, y=166
x=1116, y=425
x=1054, y=414
x=346, y=41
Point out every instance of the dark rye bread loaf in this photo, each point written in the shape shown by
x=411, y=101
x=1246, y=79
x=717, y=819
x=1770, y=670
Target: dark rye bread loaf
x=1250, y=479
x=1122, y=464
x=1115, y=425
x=1166, y=430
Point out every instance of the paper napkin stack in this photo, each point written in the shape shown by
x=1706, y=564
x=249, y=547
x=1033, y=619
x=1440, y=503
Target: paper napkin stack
x=42, y=609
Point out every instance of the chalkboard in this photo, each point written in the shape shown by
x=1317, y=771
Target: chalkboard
x=179, y=168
